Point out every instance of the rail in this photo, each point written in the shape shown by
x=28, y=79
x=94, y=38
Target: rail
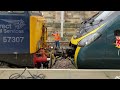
x=62, y=43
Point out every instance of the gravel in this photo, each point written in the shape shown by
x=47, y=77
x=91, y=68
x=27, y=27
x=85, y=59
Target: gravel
x=63, y=64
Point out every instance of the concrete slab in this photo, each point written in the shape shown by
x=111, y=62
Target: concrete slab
x=87, y=75
x=63, y=73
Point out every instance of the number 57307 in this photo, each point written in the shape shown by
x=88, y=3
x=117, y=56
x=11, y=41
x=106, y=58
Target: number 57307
x=13, y=39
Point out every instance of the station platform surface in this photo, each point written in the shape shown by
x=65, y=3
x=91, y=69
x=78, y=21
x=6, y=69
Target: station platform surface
x=64, y=73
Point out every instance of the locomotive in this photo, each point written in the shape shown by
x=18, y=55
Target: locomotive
x=23, y=34
x=96, y=45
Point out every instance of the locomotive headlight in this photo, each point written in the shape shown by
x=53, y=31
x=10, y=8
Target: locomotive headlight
x=51, y=47
x=89, y=39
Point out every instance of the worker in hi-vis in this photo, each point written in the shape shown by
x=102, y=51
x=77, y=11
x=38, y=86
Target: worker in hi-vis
x=57, y=39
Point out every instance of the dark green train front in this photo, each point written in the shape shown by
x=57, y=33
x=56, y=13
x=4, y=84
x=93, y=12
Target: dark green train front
x=17, y=30
x=97, y=49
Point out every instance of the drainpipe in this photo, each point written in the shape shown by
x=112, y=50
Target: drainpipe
x=62, y=22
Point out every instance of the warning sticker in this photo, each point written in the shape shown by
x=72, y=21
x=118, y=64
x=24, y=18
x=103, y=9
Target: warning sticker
x=118, y=41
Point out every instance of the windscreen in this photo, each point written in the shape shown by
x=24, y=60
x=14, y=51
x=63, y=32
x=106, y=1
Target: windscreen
x=104, y=15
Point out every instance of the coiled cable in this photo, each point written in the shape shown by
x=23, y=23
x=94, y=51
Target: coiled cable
x=21, y=76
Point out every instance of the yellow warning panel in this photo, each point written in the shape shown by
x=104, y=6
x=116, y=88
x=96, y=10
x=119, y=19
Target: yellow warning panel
x=36, y=26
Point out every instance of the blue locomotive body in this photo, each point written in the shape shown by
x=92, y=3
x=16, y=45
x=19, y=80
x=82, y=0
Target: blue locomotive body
x=14, y=33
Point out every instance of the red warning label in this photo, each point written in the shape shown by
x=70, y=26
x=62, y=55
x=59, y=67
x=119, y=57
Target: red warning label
x=118, y=41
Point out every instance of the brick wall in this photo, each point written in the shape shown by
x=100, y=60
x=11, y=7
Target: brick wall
x=72, y=20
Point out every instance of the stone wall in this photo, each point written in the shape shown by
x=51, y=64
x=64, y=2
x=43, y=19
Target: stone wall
x=72, y=20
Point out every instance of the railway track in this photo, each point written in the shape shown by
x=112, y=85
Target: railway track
x=6, y=65
x=63, y=63
x=62, y=43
